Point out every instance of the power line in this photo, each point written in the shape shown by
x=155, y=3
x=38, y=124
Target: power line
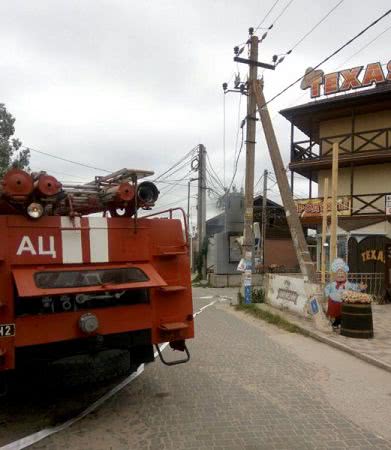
x=172, y=203
x=169, y=180
x=178, y=162
x=236, y=162
x=178, y=169
x=238, y=131
x=213, y=184
x=259, y=180
x=341, y=65
x=267, y=15
x=315, y=26
x=65, y=159
x=63, y=173
x=215, y=175
x=281, y=13
x=175, y=185
x=330, y=56
x=364, y=47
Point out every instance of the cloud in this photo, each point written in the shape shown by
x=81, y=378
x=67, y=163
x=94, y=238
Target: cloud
x=137, y=84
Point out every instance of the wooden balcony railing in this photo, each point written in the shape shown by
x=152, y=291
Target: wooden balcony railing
x=369, y=204
x=355, y=205
x=350, y=143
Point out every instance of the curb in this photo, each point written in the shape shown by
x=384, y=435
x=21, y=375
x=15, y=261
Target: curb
x=320, y=337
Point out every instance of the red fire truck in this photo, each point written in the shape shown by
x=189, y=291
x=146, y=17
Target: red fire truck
x=79, y=288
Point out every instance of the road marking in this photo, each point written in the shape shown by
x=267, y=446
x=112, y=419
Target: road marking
x=201, y=309
x=219, y=299
x=46, y=432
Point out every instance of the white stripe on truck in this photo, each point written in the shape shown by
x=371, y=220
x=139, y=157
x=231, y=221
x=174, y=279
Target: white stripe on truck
x=71, y=241
x=99, y=239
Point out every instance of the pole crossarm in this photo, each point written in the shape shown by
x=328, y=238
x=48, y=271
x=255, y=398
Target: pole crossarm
x=251, y=62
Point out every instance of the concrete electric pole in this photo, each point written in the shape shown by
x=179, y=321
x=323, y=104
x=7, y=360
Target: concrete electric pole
x=264, y=216
x=248, y=236
x=201, y=205
x=188, y=202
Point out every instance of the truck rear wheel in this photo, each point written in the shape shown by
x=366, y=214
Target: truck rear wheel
x=79, y=370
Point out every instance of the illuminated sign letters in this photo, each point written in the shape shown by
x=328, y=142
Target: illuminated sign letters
x=345, y=80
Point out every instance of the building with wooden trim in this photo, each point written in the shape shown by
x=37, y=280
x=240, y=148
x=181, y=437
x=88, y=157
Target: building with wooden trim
x=360, y=122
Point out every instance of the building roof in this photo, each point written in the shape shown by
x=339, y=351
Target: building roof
x=219, y=218
x=307, y=117
x=259, y=199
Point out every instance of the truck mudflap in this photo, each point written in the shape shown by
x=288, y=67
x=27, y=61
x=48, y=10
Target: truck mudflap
x=175, y=345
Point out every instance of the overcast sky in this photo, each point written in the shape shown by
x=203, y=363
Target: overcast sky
x=122, y=83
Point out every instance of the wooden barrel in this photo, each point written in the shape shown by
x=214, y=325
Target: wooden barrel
x=356, y=320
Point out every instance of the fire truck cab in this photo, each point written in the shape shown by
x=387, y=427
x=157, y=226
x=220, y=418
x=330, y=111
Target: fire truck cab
x=75, y=285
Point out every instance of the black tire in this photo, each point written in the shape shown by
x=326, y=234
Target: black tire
x=79, y=370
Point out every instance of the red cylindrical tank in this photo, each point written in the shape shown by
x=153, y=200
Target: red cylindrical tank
x=47, y=185
x=124, y=192
x=17, y=184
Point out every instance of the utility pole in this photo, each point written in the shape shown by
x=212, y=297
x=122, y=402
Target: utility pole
x=264, y=216
x=201, y=204
x=188, y=202
x=298, y=238
x=248, y=236
x=188, y=206
x=188, y=222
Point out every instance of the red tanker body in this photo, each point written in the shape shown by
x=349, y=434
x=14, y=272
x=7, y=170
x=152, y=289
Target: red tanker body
x=73, y=285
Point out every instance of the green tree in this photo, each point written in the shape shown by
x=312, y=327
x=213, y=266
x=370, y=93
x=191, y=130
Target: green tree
x=11, y=153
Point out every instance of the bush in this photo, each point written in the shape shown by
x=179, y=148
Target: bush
x=258, y=296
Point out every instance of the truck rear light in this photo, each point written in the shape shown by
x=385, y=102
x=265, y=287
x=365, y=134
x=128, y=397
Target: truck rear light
x=35, y=210
x=172, y=331
x=2, y=356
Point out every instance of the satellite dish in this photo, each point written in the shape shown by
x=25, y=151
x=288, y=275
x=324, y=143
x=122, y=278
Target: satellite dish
x=310, y=76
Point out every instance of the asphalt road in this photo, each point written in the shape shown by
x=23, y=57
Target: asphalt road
x=248, y=386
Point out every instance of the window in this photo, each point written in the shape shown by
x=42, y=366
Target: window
x=86, y=278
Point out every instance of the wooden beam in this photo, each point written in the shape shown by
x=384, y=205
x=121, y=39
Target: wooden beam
x=334, y=198
x=324, y=229
x=252, y=62
x=307, y=266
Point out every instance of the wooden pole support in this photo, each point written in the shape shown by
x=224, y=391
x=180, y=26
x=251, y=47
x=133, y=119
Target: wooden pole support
x=334, y=199
x=324, y=229
x=307, y=266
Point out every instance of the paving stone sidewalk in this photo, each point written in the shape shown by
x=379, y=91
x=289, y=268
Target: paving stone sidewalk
x=241, y=390
x=376, y=351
